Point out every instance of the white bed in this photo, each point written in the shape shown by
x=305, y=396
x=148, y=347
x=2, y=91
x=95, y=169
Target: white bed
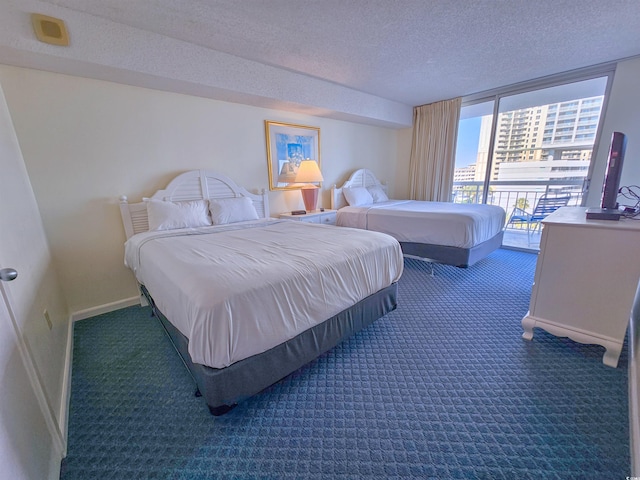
x=248, y=302
x=444, y=232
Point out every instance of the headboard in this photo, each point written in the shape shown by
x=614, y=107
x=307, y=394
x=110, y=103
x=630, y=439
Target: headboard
x=192, y=185
x=360, y=178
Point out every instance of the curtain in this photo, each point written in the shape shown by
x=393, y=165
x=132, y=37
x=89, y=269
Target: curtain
x=433, y=150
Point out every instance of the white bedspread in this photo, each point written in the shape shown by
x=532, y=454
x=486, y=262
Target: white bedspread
x=238, y=290
x=439, y=223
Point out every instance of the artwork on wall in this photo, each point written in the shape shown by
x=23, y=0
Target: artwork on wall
x=287, y=146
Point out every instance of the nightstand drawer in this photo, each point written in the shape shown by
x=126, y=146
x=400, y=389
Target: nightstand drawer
x=328, y=217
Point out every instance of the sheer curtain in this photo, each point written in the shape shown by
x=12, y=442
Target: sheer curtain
x=433, y=150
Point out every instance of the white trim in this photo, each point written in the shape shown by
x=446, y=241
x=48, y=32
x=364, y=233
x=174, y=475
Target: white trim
x=66, y=387
x=106, y=308
x=634, y=409
x=54, y=467
x=634, y=386
x=65, y=404
x=59, y=443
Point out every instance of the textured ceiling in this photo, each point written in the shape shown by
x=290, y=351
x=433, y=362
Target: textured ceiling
x=405, y=52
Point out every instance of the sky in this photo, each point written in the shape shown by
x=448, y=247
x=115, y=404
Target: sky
x=467, y=146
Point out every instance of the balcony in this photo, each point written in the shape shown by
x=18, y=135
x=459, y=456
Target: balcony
x=524, y=194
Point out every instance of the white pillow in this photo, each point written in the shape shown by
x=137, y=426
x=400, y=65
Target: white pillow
x=169, y=215
x=357, y=196
x=377, y=193
x=231, y=210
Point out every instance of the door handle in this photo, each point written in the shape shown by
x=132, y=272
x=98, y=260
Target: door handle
x=8, y=274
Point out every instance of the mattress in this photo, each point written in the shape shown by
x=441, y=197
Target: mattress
x=238, y=290
x=438, y=223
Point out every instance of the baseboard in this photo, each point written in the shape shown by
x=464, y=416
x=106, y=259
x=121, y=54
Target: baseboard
x=68, y=361
x=66, y=387
x=520, y=249
x=106, y=308
x=58, y=443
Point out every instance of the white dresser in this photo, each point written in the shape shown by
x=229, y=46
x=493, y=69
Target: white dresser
x=586, y=277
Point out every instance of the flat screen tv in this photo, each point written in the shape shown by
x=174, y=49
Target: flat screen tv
x=609, y=205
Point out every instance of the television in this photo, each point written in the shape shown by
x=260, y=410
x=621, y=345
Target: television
x=609, y=205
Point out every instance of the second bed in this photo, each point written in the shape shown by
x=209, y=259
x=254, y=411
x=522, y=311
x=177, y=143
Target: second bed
x=443, y=232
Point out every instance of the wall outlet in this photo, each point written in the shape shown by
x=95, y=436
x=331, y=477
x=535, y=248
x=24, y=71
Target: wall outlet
x=48, y=319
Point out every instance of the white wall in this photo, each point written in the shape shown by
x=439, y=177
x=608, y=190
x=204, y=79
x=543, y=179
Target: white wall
x=32, y=356
x=622, y=115
x=405, y=137
x=85, y=142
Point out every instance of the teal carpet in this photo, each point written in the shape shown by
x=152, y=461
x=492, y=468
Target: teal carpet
x=444, y=387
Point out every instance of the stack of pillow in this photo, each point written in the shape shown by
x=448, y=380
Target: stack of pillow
x=166, y=215
x=357, y=196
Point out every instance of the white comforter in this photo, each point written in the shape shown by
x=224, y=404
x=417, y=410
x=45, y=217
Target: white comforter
x=238, y=290
x=437, y=223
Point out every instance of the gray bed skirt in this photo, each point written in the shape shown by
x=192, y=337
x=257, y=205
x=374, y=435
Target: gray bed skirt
x=224, y=388
x=458, y=257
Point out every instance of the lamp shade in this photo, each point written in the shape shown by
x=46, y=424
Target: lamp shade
x=308, y=172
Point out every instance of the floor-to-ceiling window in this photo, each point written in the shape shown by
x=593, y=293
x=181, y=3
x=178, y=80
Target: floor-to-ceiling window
x=513, y=147
x=472, y=152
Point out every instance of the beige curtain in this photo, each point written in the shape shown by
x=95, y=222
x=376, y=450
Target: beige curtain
x=433, y=150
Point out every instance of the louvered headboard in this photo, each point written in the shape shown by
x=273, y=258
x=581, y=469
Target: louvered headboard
x=192, y=185
x=360, y=178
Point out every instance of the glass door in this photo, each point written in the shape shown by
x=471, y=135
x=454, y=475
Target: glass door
x=540, y=143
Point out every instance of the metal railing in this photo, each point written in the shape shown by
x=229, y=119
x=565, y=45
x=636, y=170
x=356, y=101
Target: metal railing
x=516, y=193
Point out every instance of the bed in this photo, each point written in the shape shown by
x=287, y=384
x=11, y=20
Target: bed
x=247, y=299
x=443, y=232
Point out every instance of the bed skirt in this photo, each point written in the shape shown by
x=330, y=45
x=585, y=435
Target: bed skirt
x=223, y=388
x=456, y=256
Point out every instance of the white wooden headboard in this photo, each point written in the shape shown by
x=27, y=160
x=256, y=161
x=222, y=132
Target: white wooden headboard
x=192, y=185
x=360, y=178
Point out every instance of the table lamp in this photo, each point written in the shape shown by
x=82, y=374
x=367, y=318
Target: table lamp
x=287, y=173
x=309, y=172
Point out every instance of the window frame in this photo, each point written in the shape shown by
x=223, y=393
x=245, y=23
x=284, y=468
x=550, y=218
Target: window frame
x=497, y=94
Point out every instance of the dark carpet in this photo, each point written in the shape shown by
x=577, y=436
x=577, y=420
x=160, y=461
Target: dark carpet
x=444, y=387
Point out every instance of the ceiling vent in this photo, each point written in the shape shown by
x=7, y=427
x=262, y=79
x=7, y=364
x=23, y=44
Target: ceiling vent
x=50, y=30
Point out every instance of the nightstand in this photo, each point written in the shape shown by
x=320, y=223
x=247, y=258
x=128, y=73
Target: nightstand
x=328, y=217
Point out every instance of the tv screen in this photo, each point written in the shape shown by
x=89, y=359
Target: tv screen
x=613, y=173
x=611, y=186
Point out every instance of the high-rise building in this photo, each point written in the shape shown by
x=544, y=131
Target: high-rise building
x=465, y=174
x=562, y=133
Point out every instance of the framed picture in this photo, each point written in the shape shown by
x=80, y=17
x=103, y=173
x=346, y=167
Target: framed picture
x=287, y=146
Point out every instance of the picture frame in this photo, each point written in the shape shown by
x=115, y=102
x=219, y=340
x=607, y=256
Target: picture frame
x=287, y=145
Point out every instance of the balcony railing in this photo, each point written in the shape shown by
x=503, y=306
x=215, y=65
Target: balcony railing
x=521, y=194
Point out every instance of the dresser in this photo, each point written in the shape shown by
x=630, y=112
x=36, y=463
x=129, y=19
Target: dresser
x=585, y=280
x=328, y=217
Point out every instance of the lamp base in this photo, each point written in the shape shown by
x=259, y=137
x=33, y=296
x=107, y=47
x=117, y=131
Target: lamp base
x=309, y=197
